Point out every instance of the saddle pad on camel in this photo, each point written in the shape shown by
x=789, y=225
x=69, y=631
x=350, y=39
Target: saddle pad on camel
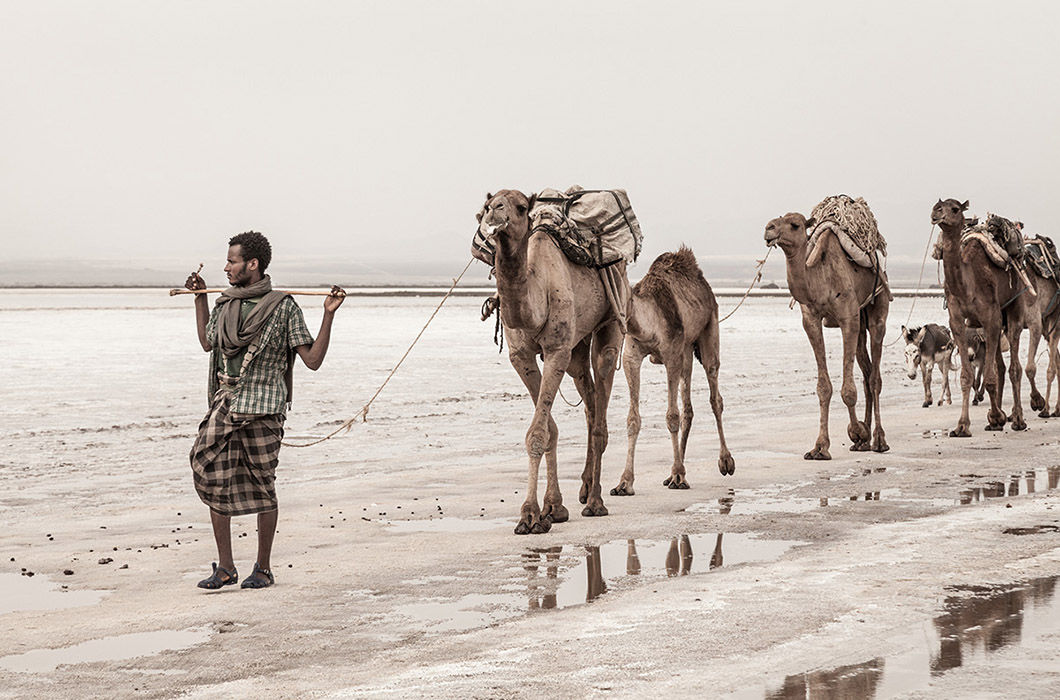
x=995, y=235
x=854, y=226
x=1041, y=253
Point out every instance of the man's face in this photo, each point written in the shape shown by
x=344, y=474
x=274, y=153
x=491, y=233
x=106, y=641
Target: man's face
x=240, y=272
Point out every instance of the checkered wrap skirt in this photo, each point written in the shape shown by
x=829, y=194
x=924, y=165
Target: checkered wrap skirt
x=234, y=459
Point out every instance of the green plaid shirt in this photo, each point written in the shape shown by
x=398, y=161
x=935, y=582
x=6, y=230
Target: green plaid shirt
x=261, y=389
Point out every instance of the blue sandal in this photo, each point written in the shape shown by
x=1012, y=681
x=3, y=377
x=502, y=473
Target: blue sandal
x=215, y=581
x=254, y=582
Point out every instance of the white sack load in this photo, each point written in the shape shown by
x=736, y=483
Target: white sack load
x=594, y=228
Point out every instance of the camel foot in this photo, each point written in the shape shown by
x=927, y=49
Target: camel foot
x=994, y=428
x=557, y=513
x=1045, y=414
x=1037, y=402
x=961, y=431
x=862, y=446
x=940, y=402
x=818, y=453
x=975, y=401
x=927, y=404
x=594, y=510
x=858, y=433
x=880, y=446
x=583, y=493
x=677, y=481
x=623, y=490
x=1019, y=423
x=726, y=465
x=531, y=521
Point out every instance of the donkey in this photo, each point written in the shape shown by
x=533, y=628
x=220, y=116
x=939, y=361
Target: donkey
x=925, y=347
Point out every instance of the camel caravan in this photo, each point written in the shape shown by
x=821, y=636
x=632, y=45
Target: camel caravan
x=560, y=261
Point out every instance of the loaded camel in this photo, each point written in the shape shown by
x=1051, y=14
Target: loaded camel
x=979, y=294
x=559, y=310
x=1045, y=322
x=672, y=316
x=833, y=290
x=925, y=347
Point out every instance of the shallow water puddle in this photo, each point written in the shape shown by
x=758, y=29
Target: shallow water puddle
x=1030, y=481
x=19, y=593
x=116, y=648
x=976, y=623
x=553, y=578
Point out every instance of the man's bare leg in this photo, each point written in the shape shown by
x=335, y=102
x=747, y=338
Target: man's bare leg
x=222, y=535
x=266, y=534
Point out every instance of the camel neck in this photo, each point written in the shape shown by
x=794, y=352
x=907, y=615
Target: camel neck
x=798, y=283
x=515, y=283
x=951, y=259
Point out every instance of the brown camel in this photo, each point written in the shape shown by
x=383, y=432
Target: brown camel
x=559, y=310
x=979, y=294
x=839, y=294
x=1044, y=322
x=673, y=316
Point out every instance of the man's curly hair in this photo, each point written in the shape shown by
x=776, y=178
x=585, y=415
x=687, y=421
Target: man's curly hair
x=253, y=245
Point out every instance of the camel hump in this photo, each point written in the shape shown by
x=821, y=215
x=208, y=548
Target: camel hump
x=678, y=264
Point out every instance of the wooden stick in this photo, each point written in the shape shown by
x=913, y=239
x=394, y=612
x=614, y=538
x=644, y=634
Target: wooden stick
x=311, y=293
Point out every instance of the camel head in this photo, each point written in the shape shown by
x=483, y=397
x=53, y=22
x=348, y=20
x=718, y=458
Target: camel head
x=913, y=338
x=949, y=213
x=788, y=231
x=506, y=213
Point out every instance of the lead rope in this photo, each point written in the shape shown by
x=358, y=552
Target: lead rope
x=363, y=413
x=756, y=280
x=916, y=294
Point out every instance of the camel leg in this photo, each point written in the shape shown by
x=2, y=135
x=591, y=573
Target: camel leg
x=877, y=329
x=961, y=339
x=812, y=326
x=1053, y=373
x=632, y=359
x=607, y=344
x=530, y=520
x=926, y=367
x=1015, y=373
x=581, y=372
x=856, y=430
x=865, y=363
x=978, y=383
x=542, y=436
x=678, y=421
x=710, y=352
x=1034, y=327
x=993, y=374
x=946, y=365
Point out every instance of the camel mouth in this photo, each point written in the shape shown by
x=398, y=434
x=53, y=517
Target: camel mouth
x=772, y=240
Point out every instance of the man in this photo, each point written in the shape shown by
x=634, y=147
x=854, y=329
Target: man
x=252, y=336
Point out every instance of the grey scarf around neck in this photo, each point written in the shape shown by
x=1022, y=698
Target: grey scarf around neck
x=234, y=334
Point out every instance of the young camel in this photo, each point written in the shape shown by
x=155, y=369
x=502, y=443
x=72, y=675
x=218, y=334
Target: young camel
x=673, y=316
x=559, y=310
x=838, y=293
x=981, y=295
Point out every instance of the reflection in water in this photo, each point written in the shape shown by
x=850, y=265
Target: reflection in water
x=977, y=621
x=1030, y=481
x=606, y=565
x=542, y=594
x=857, y=681
x=596, y=586
x=986, y=621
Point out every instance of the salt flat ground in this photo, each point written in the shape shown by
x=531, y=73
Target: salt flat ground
x=397, y=571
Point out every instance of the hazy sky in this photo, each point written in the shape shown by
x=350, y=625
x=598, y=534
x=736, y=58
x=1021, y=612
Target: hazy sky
x=371, y=131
